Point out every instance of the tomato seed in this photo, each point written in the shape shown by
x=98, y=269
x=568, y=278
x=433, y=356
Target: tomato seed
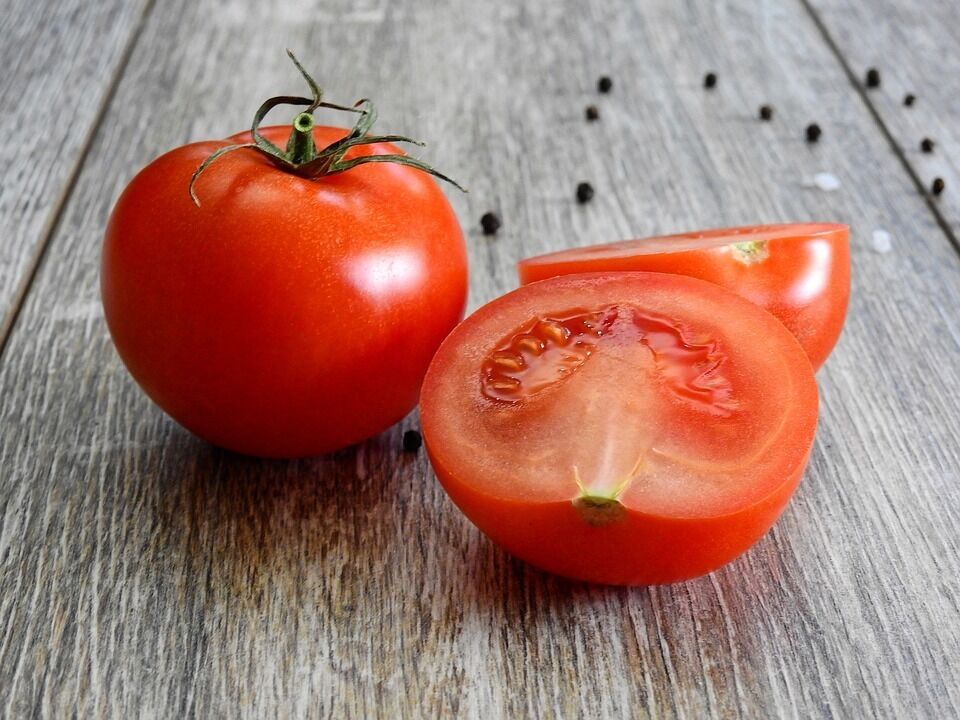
x=412, y=441
x=938, y=186
x=604, y=84
x=813, y=132
x=766, y=112
x=873, y=78
x=553, y=331
x=490, y=222
x=530, y=344
x=508, y=362
x=592, y=112
x=505, y=385
x=584, y=192
x=926, y=145
x=710, y=80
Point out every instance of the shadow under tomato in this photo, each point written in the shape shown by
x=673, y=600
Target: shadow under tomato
x=369, y=516
x=505, y=591
x=226, y=528
x=364, y=546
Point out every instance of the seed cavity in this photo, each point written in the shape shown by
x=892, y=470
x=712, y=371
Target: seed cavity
x=692, y=367
x=547, y=350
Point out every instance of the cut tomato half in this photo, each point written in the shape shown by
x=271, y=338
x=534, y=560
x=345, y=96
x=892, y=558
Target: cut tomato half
x=626, y=428
x=799, y=272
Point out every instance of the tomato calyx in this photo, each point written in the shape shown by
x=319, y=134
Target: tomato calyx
x=301, y=156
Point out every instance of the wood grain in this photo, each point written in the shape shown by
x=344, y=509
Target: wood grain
x=59, y=61
x=914, y=45
x=146, y=574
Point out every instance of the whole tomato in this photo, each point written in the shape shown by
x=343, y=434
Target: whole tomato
x=296, y=308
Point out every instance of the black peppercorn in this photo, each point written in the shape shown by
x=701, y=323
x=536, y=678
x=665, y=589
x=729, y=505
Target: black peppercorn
x=592, y=112
x=813, y=132
x=766, y=112
x=909, y=99
x=584, y=192
x=926, y=145
x=873, y=78
x=604, y=84
x=412, y=441
x=938, y=185
x=710, y=80
x=490, y=222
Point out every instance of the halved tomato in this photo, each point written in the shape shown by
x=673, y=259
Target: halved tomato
x=626, y=428
x=799, y=272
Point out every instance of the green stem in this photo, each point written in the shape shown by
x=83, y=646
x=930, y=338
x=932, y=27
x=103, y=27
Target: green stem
x=301, y=156
x=300, y=146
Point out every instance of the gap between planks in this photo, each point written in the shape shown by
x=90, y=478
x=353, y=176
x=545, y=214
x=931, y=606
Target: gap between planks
x=884, y=129
x=50, y=228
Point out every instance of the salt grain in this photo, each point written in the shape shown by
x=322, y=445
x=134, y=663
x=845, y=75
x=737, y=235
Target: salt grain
x=881, y=241
x=828, y=182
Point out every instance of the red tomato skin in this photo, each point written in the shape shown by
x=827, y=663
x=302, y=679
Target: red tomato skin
x=804, y=282
x=640, y=549
x=283, y=317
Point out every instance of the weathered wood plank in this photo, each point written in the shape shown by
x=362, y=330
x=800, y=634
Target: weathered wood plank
x=916, y=47
x=59, y=61
x=144, y=573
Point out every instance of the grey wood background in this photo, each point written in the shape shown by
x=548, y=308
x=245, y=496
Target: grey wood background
x=60, y=61
x=916, y=45
x=144, y=573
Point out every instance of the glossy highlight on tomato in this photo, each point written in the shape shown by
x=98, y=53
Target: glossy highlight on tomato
x=799, y=272
x=624, y=428
x=283, y=316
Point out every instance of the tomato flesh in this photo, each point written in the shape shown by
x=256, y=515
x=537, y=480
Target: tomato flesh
x=626, y=428
x=799, y=272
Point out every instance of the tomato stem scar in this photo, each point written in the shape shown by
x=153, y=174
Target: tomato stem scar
x=599, y=511
x=750, y=252
x=600, y=507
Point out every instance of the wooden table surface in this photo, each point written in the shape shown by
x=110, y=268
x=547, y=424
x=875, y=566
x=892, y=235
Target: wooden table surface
x=144, y=573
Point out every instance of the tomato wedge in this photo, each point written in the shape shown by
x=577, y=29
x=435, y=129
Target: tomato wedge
x=799, y=272
x=624, y=428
